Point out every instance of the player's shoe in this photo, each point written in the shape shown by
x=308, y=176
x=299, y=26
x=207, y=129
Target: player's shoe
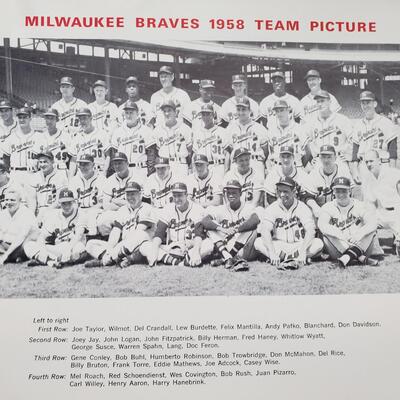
x=234, y=264
x=217, y=262
x=341, y=263
x=288, y=265
x=241, y=266
x=368, y=261
x=34, y=263
x=107, y=260
x=54, y=263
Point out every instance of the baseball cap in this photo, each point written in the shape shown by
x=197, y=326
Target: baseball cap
x=278, y=74
x=286, y=150
x=133, y=187
x=131, y=79
x=166, y=69
x=84, y=111
x=207, y=108
x=367, y=95
x=24, y=111
x=100, y=83
x=341, y=182
x=85, y=158
x=286, y=181
x=232, y=184
x=168, y=103
x=280, y=104
x=238, y=78
x=119, y=156
x=5, y=104
x=327, y=149
x=200, y=159
x=322, y=94
x=179, y=187
x=65, y=195
x=4, y=167
x=243, y=102
x=161, y=162
x=66, y=80
x=46, y=154
x=207, y=83
x=51, y=112
x=130, y=105
x=240, y=152
x=312, y=72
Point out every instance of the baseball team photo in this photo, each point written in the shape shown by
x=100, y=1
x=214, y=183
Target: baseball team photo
x=194, y=168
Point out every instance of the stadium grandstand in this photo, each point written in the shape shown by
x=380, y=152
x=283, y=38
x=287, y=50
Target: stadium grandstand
x=31, y=68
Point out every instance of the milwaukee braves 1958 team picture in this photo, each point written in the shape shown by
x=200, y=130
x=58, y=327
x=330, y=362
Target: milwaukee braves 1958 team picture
x=198, y=168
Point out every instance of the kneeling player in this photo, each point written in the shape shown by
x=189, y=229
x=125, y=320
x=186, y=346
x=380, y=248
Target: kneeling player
x=134, y=222
x=288, y=230
x=178, y=239
x=348, y=226
x=233, y=228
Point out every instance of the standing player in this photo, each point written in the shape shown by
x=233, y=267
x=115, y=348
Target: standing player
x=5, y=184
x=279, y=88
x=232, y=227
x=136, y=141
x=105, y=114
x=169, y=94
x=310, y=106
x=133, y=92
x=229, y=109
x=174, y=140
x=157, y=189
x=204, y=187
x=251, y=182
x=90, y=140
x=288, y=230
x=244, y=132
x=176, y=239
x=68, y=106
x=206, y=90
x=348, y=226
x=8, y=124
x=208, y=139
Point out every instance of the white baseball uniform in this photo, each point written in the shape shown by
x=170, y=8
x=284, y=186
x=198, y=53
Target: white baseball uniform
x=5, y=132
x=204, y=190
x=311, y=107
x=59, y=144
x=267, y=105
x=144, y=107
x=196, y=115
x=159, y=190
x=67, y=114
x=88, y=192
x=229, y=111
x=114, y=186
x=104, y=116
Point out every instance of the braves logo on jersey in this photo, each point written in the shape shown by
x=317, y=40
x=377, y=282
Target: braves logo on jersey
x=161, y=196
x=345, y=223
x=293, y=223
x=61, y=234
x=181, y=230
x=47, y=194
x=87, y=197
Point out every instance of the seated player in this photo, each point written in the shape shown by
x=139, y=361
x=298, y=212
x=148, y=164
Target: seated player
x=233, y=228
x=5, y=183
x=157, y=189
x=288, y=229
x=134, y=224
x=287, y=168
x=177, y=240
x=348, y=226
x=18, y=225
x=250, y=181
x=204, y=187
x=62, y=237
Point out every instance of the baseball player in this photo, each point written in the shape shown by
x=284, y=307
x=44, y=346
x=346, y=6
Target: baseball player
x=58, y=141
x=250, y=181
x=105, y=113
x=204, y=187
x=176, y=240
x=169, y=94
x=373, y=131
x=8, y=124
x=133, y=92
x=348, y=226
x=17, y=226
x=136, y=141
x=5, y=184
x=133, y=225
x=90, y=140
x=62, y=237
x=310, y=106
x=284, y=131
x=288, y=229
x=67, y=106
x=174, y=140
x=45, y=186
x=20, y=148
x=285, y=168
x=244, y=132
x=279, y=88
x=208, y=139
x=229, y=109
x=157, y=189
x=381, y=188
x=232, y=227
x=206, y=90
